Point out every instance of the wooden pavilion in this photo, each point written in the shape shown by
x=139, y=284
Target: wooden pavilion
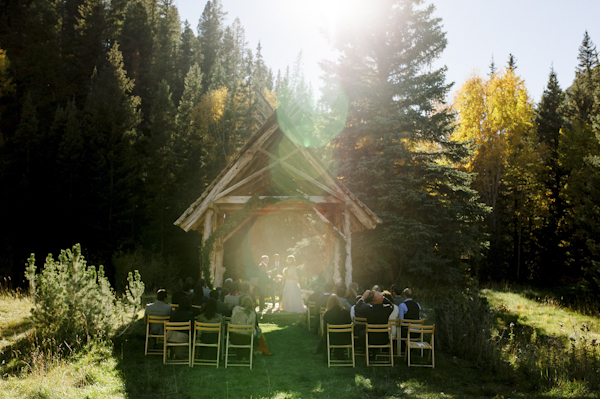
x=274, y=163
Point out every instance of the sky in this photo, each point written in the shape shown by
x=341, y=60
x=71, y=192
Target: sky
x=540, y=34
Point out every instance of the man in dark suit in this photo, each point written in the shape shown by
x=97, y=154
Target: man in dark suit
x=377, y=310
x=264, y=282
x=408, y=310
x=277, y=270
x=222, y=307
x=185, y=292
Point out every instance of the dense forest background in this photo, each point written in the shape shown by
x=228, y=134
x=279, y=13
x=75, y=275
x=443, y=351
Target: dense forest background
x=115, y=116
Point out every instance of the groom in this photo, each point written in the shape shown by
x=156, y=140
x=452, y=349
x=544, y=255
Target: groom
x=277, y=281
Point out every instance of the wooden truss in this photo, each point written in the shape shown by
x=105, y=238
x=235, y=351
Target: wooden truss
x=273, y=164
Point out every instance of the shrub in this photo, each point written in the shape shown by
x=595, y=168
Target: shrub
x=72, y=300
x=464, y=328
x=544, y=360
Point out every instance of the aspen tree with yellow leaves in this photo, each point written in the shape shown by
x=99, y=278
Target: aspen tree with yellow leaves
x=496, y=115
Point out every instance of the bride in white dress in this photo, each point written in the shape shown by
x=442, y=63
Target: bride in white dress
x=292, y=296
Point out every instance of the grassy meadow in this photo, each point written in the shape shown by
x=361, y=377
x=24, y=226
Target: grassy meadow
x=120, y=369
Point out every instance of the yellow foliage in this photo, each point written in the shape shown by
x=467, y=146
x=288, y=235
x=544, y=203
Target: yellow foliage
x=211, y=107
x=271, y=97
x=6, y=84
x=495, y=114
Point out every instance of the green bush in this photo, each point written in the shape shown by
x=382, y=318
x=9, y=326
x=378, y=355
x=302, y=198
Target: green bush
x=543, y=360
x=74, y=303
x=464, y=329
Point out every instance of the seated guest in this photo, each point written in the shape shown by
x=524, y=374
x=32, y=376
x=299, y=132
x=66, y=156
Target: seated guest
x=191, y=281
x=327, y=290
x=226, y=289
x=314, y=310
x=336, y=314
x=205, y=290
x=245, y=289
x=351, y=296
x=158, y=308
x=232, y=299
x=244, y=314
x=209, y=315
x=182, y=313
x=394, y=315
x=222, y=307
x=186, y=291
x=396, y=292
x=377, y=310
x=199, y=297
x=408, y=310
x=340, y=293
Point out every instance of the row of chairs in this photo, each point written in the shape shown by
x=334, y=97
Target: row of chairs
x=415, y=339
x=195, y=342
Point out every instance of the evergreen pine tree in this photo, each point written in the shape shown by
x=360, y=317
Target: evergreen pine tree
x=492, y=67
x=110, y=121
x=578, y=144
x=191, y=180
x=261, y=73
x=162, y=166
x=210, y=34
x=394, y=139
x=588, y=56
x=550, y=120
x=166, y=45
x=512, y=62
x=136, y=43
x=581, y=93
x=231, y=55
x=189, y=53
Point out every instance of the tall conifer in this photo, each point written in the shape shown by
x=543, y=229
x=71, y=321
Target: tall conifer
x=110, y=121
x=395, y=137
x=210, y=33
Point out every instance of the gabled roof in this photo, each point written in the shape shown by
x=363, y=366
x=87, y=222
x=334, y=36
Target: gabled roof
x=272, y=163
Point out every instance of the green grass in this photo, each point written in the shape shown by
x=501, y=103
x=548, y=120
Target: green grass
x=295, y=373
x=122, y=371
x=14, y=319
x=546, y=316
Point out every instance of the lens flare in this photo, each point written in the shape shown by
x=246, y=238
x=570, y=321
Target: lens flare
x=307, y=126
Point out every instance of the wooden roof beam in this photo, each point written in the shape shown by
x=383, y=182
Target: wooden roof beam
x=242, y=199
x=254, y=175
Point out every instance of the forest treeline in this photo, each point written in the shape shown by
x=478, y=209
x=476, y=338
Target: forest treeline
x=116, y=115
x=537, y=168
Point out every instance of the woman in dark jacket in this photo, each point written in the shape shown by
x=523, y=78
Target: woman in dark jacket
x=182, y=313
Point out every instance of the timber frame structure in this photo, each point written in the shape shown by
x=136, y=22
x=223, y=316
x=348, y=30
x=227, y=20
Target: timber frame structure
x=274, y=164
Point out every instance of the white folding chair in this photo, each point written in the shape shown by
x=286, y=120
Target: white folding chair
x=158, y=320
x=246, y=330
x=177, y=327
x=379, y=329
x=349, y=347
x=202, y=329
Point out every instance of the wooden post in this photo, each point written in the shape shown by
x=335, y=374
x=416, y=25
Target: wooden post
x=218, y=269
x=337, y=279
x=208, y=228
x=348, y=236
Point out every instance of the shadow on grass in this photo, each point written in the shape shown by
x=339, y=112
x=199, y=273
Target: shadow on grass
x=293, y=372
x=12, y=330
x=16, y=347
